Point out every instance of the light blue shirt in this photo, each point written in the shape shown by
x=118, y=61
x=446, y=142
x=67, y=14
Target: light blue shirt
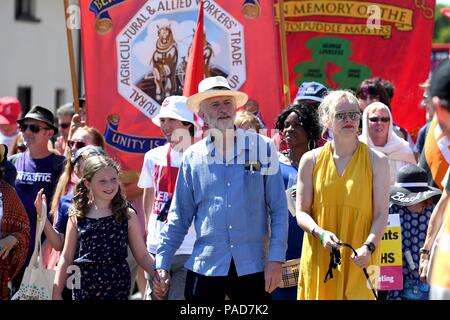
x=232, y=203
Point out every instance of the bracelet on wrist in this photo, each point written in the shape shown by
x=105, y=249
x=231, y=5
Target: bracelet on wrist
x=322, y=236
x=424, y=251
x=312, y=230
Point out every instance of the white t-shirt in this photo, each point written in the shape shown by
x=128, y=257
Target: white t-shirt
x=154, y=160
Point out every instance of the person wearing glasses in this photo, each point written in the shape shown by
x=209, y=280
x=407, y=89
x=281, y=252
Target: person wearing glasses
x=380, y=90
x=64, y=115
x=342, y=197
x=378, y=133
x=229, y=191
x=38, y=167
x=300, y=128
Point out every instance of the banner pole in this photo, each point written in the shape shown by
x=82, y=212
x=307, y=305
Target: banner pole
x=284, y=59
x=76, y=104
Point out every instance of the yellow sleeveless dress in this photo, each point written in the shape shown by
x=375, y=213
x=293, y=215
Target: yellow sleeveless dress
x=342, y=205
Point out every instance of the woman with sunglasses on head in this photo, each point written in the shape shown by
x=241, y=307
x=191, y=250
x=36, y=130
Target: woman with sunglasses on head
x=300, y=129
x=342, y=197
x=378, y=133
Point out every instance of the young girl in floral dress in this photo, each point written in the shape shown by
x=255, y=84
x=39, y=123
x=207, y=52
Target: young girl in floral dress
x=101, y=225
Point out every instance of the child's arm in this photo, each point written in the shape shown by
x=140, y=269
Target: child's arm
x=66, y=259
x=137, y=245
x=54, y=237
x=148, y=205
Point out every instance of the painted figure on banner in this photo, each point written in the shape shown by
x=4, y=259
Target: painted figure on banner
x=165, y=59
x=208, y=53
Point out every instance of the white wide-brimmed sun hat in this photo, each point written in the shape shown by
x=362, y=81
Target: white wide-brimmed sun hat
x=215, y=87
x=175, y=107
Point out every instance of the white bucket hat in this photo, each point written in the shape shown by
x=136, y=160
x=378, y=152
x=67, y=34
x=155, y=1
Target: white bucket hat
x=214, y=87
x=175, y=107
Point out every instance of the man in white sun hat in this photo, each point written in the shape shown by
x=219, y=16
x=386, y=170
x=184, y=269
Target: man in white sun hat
x=158, y=177
x=228, y=184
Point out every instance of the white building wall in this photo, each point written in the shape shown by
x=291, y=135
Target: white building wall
x=35, y=54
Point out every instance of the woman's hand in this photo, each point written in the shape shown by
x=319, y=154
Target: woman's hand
x=6, y=244
x=38, y=203
x=76, y=123
x=424, y=263
x=329, y=240
x=363, y=257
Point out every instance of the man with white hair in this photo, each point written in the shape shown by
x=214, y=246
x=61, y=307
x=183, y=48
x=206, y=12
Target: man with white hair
x=230, y=185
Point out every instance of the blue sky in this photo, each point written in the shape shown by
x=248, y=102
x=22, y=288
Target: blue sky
x=446, y=2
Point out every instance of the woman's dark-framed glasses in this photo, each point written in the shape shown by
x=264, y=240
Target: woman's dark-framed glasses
x=35, y=128
x=378, y=119
x=76, y=144
x=352, y=115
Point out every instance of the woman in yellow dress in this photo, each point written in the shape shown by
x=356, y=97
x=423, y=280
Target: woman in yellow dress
x=342, y=197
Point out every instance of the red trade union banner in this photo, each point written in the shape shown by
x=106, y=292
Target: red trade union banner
x=135, y=54
x=340, y=43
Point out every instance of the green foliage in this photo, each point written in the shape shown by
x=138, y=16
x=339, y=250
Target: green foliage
x=441, y=33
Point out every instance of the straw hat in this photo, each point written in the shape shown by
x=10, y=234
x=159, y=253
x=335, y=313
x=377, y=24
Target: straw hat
x=214, y=87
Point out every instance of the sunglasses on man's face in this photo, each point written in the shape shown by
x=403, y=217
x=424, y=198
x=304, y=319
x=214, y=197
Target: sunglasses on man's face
x=378, y=119
x=64, y=125
x=35, y=128
x=76, y=144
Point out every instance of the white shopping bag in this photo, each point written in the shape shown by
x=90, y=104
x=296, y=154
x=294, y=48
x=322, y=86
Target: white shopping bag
x=37, y=282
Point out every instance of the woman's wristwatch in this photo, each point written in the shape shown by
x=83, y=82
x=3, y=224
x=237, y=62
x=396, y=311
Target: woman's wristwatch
x=370, y=245
x=424, y=251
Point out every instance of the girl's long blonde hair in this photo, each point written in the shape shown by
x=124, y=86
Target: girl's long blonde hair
x=81, y=203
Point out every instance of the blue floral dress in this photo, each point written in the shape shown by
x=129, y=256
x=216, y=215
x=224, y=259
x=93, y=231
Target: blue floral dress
x=414, y=230
x=102, y=259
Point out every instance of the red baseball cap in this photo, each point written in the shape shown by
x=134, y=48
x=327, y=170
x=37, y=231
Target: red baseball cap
x=10, y=110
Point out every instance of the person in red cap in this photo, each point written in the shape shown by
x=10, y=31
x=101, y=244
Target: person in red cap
x=10, y=111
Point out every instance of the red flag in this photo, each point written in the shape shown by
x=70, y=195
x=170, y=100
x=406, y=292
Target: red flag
x=195, y=69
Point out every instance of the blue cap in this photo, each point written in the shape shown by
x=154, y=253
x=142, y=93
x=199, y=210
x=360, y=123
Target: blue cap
x=311, y=91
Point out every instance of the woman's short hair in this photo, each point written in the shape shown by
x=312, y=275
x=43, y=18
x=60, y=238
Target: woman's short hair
x=328, y=106
x=375, y=89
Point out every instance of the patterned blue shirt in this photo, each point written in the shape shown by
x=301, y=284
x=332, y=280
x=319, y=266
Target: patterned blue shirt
x=232, y=203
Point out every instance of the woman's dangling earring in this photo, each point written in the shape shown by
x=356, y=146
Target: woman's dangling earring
x=311, y=144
